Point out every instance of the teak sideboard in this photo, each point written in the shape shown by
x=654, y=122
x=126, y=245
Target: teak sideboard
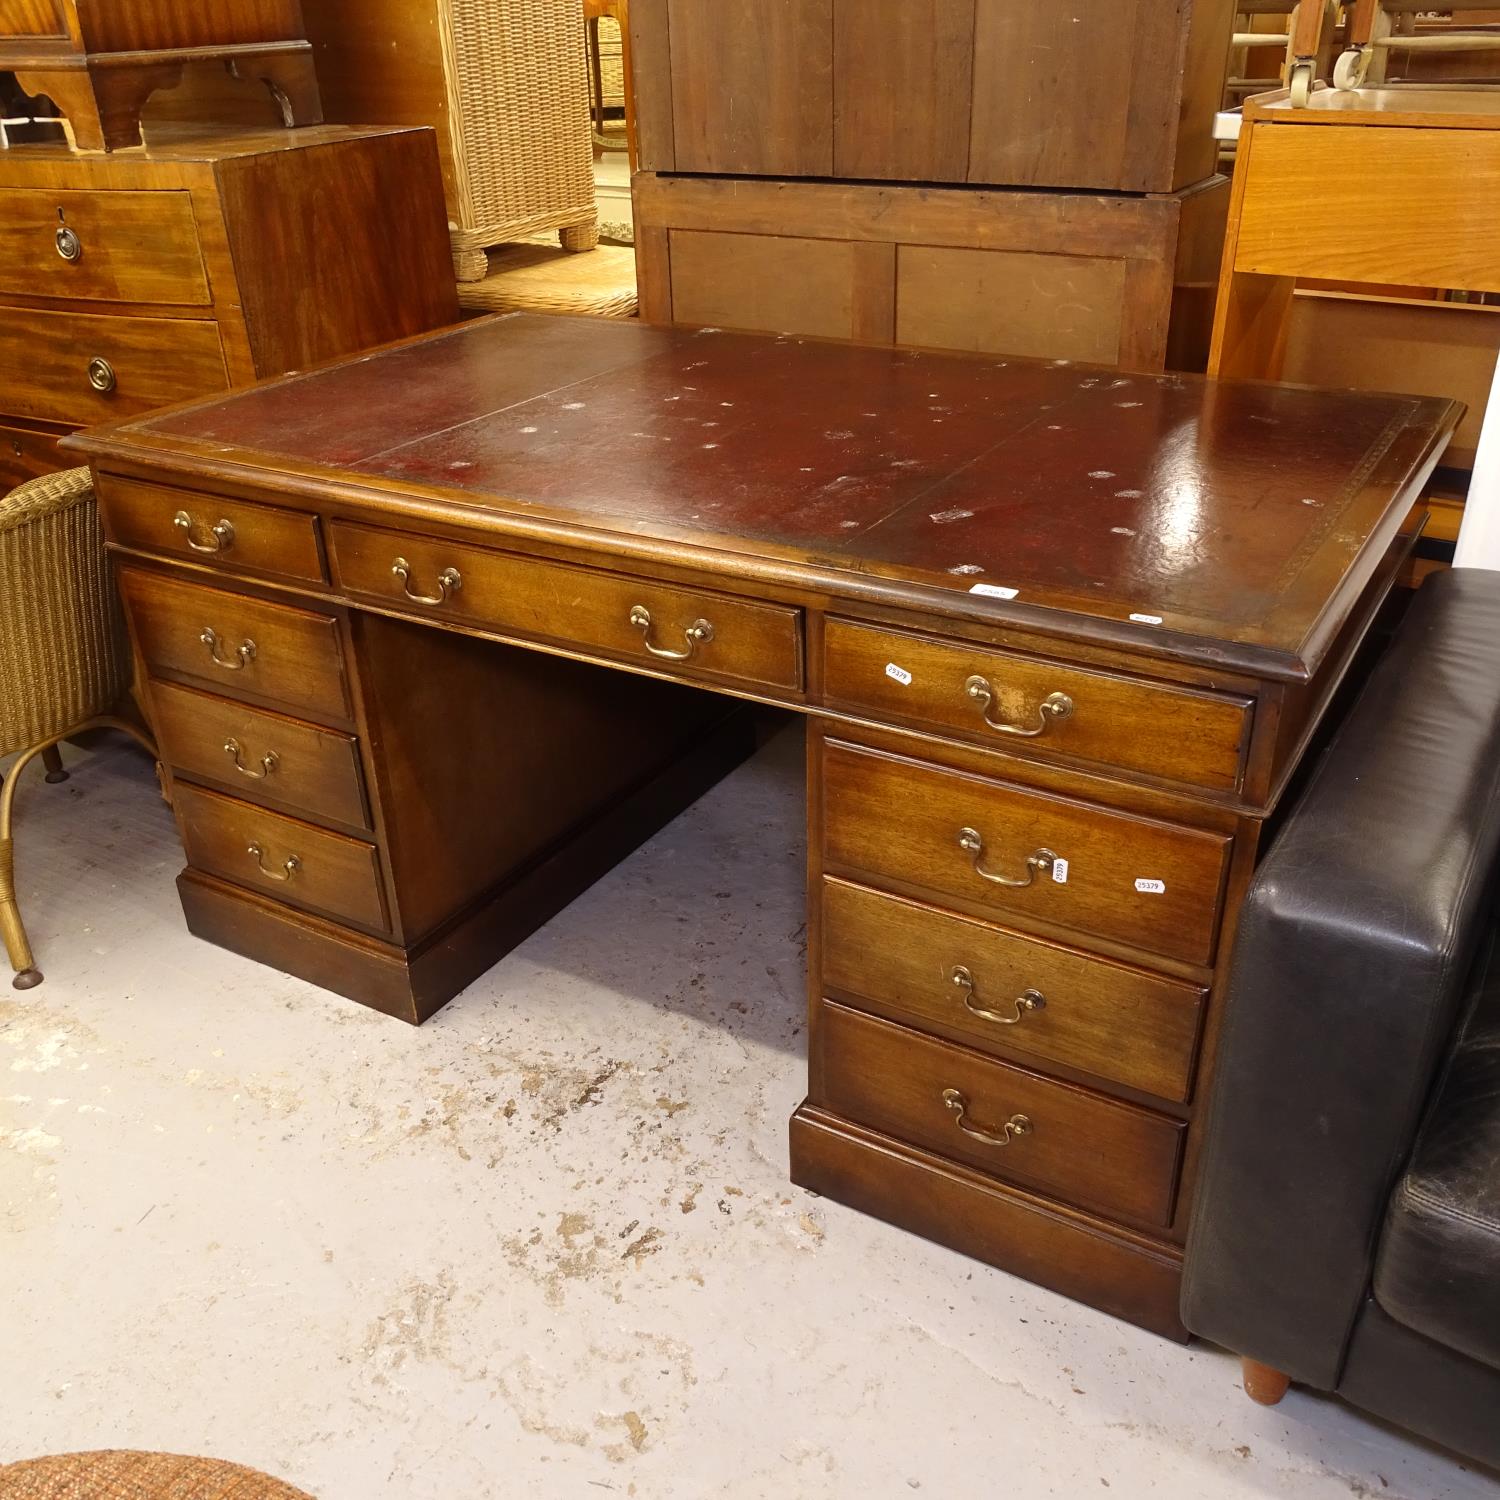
x=431, y=638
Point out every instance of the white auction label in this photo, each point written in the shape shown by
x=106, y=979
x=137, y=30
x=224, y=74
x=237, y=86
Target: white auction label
x=1060, y=871
x=898, y=674
x=1152, y=887
x=1146, y=619
x=994, y=591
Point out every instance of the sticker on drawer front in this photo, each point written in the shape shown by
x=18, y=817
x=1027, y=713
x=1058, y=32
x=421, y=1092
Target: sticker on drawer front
x=1151, y=887
x=1147, y=619
x=898, y=674
x=994, y=591
x=1060, y=871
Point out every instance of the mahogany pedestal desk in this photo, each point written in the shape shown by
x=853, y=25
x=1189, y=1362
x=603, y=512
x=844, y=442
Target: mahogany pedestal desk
x=448, y=628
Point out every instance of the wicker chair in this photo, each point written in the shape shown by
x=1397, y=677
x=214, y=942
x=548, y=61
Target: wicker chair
x=63, y=660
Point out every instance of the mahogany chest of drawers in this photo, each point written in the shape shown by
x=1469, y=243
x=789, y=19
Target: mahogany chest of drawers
x=208, y=260
x=1061, y=636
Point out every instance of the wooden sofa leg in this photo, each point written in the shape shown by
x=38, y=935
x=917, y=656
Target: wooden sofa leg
x=1262, y=1383
x=52, y=760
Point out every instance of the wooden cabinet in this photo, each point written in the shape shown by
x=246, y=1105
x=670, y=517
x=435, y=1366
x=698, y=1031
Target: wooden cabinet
x=146, y=277
x=1107, y=280
x=1114, y=95
x=101, y=60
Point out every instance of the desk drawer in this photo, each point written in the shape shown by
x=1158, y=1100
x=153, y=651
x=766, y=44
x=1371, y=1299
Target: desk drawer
x=212, y=531
x=49, y=362
x=268, y=756
x=1153, y=885
x=281, y=857
x=238, y=645
x=1012, y=995
x=1088, y=1150
x=102, y=246
x=996, y=699
x=754, y=645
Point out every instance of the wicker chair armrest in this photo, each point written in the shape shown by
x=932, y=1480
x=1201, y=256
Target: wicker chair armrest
x=47, y=496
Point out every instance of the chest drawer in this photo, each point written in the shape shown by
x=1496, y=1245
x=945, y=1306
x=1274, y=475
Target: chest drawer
x=240, y=646
x=1091, y=1151
x=102, y=246
x=1024, y=855
x=214, y=532
x=1010, y=994
x=271, y=757
x=86, y=368
x=281, y=857
x=676, y=629
x=1009, y=702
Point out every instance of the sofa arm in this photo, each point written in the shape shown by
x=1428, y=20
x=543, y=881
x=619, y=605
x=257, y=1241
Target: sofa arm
x=1344, y=984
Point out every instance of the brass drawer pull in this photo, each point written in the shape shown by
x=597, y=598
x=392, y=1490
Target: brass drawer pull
x=289, y=867
x=700, y=632
x=268, y=762
x=222, y=534
x=450, y=581
x=69, y=246
x=102, y=376
x=1025, y=1002
x=242, y=657
x=1053, y=709
x=1015, y=1126
x=1037, y=863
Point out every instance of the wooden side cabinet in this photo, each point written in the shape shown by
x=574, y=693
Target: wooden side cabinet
x=149, y=276
x=99, y=61
x=1112, y=95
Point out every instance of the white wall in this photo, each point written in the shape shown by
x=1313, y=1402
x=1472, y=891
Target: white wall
x=1479, y=537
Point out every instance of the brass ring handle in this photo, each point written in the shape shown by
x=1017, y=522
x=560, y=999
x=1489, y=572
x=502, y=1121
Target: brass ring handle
x=1025, y=1002
x=1015, y=1126
x=69, y=246
x=450, y=581
x=700, y=632
x=268, y=762
x=1037, y=863
x=222, y=534
x=242, y=657
x=289, y=867
x=102, y=376
x=1052, y=709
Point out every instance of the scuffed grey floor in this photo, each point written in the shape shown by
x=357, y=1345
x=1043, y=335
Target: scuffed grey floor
x=544, y=1246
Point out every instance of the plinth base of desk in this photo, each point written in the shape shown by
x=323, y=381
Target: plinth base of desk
x=1131, y=1278
x=411, y=984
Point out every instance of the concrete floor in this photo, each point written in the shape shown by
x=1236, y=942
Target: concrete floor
x=545, y=1246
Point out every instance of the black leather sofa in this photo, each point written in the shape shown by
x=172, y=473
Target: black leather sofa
x=1347, y=1229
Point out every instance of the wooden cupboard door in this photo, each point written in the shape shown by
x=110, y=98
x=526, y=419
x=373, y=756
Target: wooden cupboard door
x=31, y=18
x=776, y=283
x=752, y=87
x=1081, y=95
x=1010, y=302
x=903, y=80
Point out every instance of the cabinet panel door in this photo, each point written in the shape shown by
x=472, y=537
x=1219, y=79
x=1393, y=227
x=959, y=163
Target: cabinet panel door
x=1010, y=302
x=752, y=87
x=903, y=83
x=1082, y=95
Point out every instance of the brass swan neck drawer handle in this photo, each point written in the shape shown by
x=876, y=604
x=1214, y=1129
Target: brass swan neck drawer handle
x=700, y=632
x=1026, y=1002
x=221, y=537
x=268, y=762
x=1037, y=863
x=1053, y=709
x=449, y=581
x=69, y=246
x=102, y=376
x=1017, y=1125
x=241, y=659
x=289, y=866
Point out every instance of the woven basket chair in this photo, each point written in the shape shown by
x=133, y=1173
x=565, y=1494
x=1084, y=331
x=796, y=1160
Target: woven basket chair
x=121, y=1475
x=63, y=659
